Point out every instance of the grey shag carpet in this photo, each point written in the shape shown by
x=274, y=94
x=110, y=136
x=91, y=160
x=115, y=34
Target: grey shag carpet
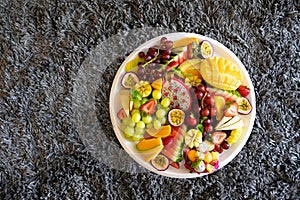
x=45, y=47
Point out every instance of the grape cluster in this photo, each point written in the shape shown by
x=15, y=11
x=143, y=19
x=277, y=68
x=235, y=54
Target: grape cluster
x=207, y=108
x=155, y=57
x=134, y=127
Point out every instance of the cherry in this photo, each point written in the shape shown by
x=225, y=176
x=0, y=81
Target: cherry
x=205, y=112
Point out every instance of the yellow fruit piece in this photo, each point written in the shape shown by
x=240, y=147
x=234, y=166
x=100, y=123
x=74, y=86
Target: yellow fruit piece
x=190, y=67
x=164, y=131
x=207, y=157
x=219, y=105
x=125, y=100
x=209, y=168
x=185, y=41
x=157, y=84
x=152, y=153
x=132, y=65
x=221, y=73
x=215, y=155
x=147, y=144
x=144, y=88
x=235, y=135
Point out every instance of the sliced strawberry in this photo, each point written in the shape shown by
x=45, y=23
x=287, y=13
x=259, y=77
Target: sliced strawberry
x=243, y=90
x=172, y=65
x=218, y=137
x=149, y=107
x=167, y=140
x=175, y=165
x=232, y=110
x=121, y=114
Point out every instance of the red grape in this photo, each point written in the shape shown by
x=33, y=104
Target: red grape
x=225, y=145
x=218, y=149
x=152, y=51
x=205, y=112
x=213, y=111
x=208, y=128
x=207, y=122
x=201, y=88
x=209, y=100
x=141, y=54
x=163, y=40
x=148, y=57
x=199, y=94
x=165, y=56
x=169, y=44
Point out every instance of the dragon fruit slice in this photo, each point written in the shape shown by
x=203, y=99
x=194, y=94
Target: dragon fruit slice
x=178, y=93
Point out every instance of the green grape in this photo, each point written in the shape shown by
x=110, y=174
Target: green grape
x=147, y=119
x=156, y=94
x=160, y=113
x=129, y=131
x=150, y=125
x=140, y=124
x=137, y=137
x=123, y=125
x=135, y=111
x=136, y=104
x=157, y=124
x=165, y=102
x=162, y=120
x=127, y=121
x=136, y=117
x=144, y=100
x=139, y=131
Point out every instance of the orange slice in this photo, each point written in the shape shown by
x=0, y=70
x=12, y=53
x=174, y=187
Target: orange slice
x=147, y=144
x=157, y=84
x=164, y=131
x=185, y=41
x=152, y=153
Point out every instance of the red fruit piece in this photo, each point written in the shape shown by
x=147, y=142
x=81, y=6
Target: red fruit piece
x=218, y=137
x=149, y=107
x=232, y=110
x=191, y=120
x=175, y=164
x=172, y=65
x=243, y=90
x=190, y=51
x=121, y=114
x=167, y=140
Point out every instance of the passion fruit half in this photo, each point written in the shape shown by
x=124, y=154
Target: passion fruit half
x=206, y=49
x=129, y=80
x=176, y=117
x=160, y=162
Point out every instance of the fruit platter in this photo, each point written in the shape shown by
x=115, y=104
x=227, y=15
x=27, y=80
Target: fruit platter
x=182, y=105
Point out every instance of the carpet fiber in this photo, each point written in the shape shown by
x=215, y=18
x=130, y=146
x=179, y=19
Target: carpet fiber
x=44, y=46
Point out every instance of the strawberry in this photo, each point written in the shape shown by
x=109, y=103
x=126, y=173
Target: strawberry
x=232, y=110
x=172, y=65
x=243, y=90
x=149, y=107
x=218, y=137
x=121, y=114
x=175, y=165
x=167, y=140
